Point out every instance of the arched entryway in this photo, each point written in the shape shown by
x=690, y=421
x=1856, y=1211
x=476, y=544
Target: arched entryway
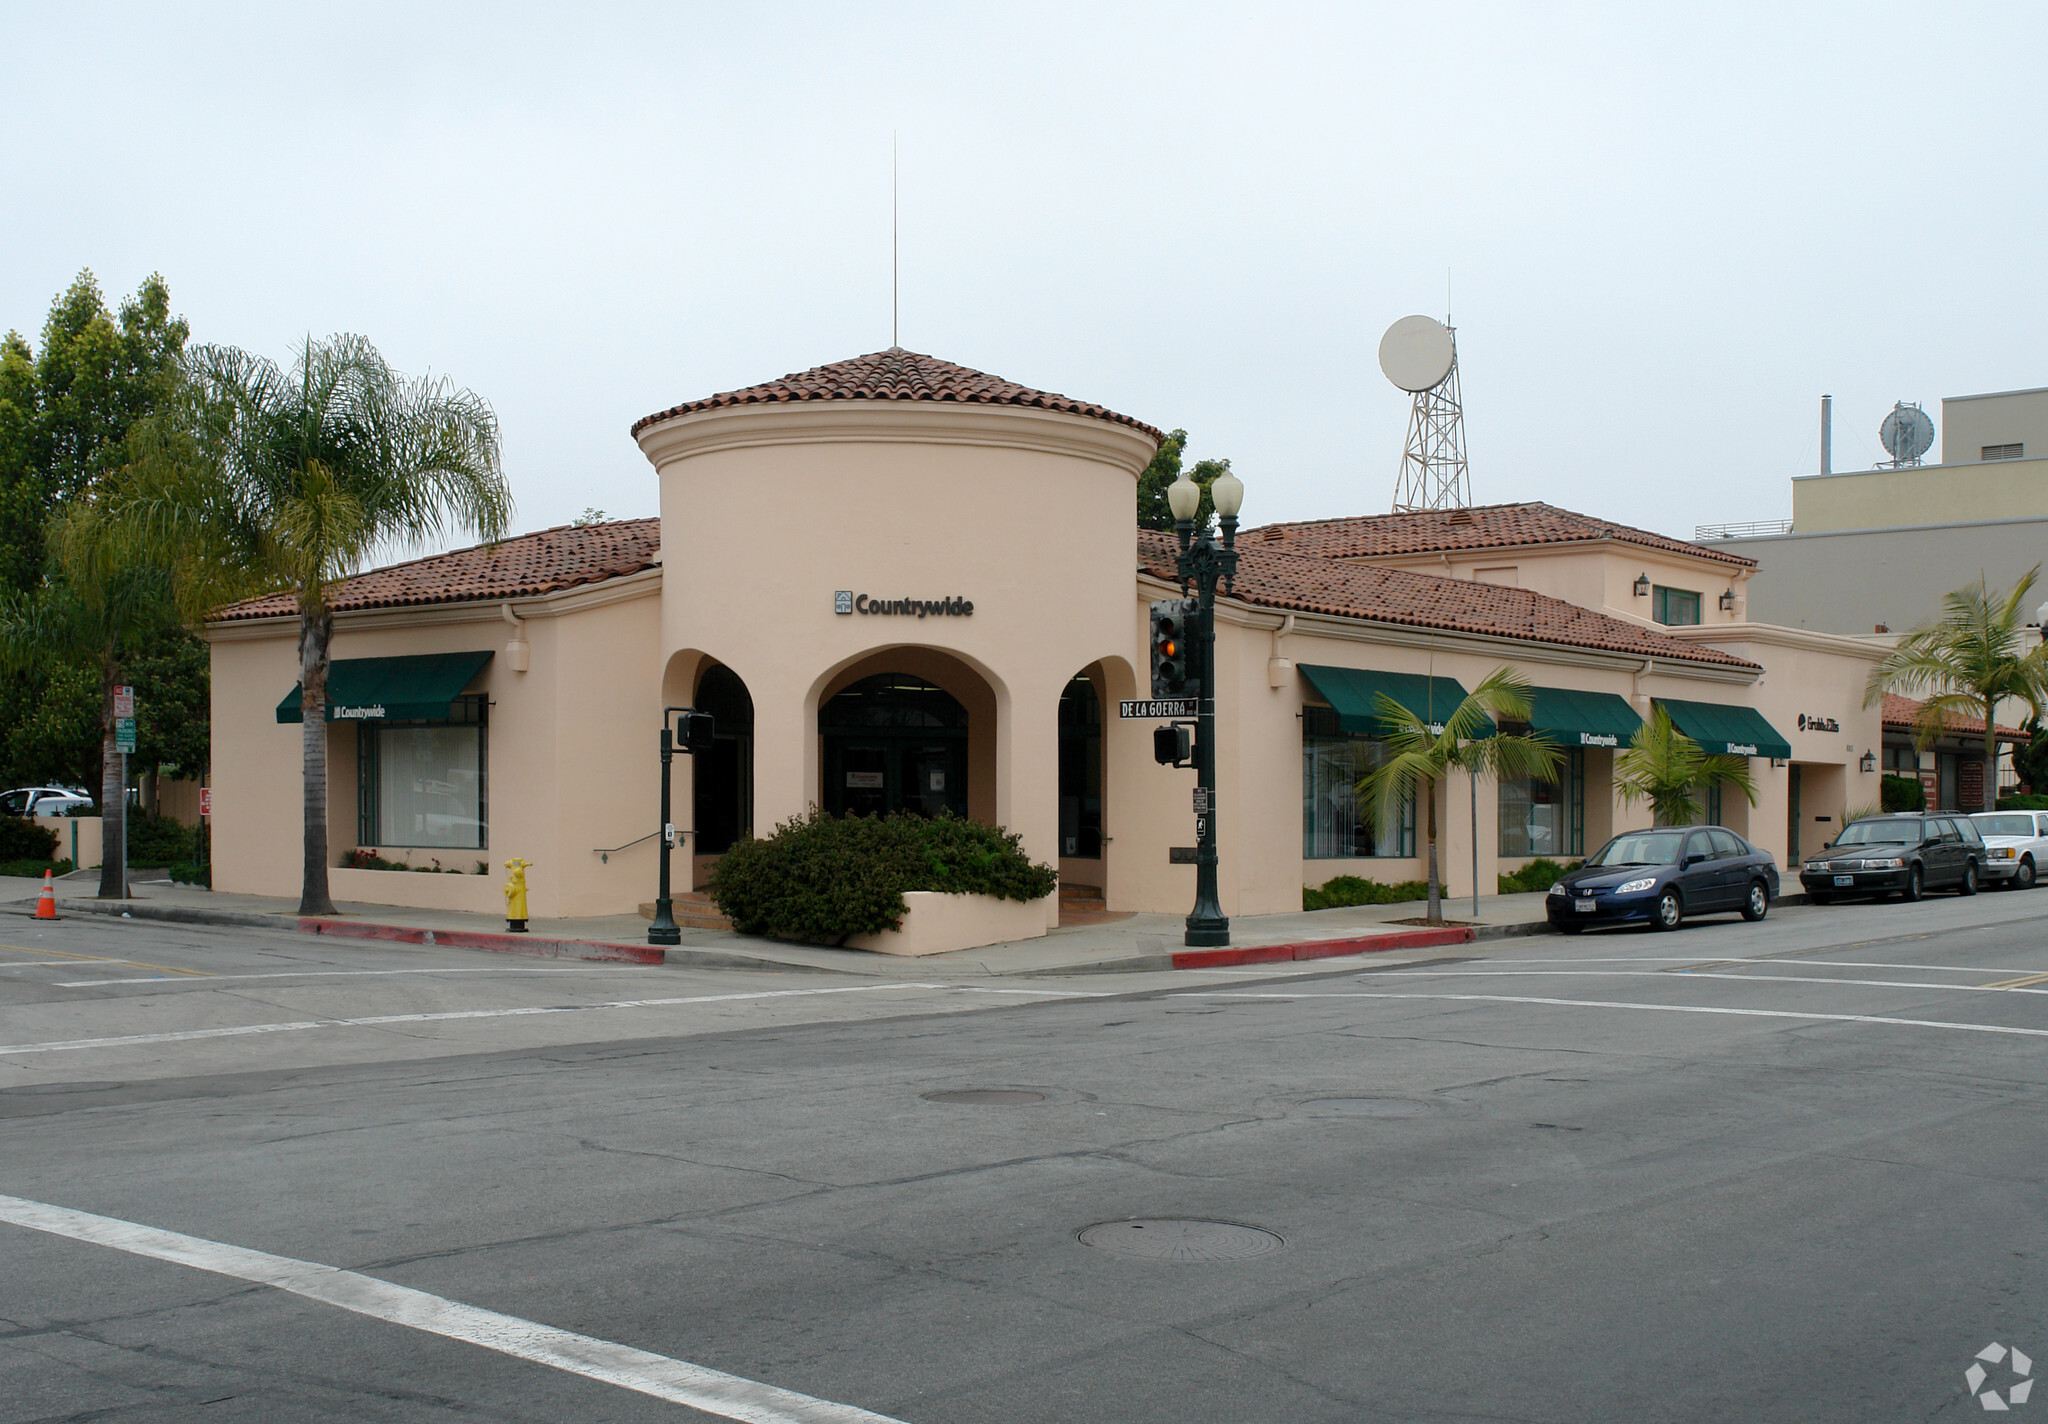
x=894, y=742
x=724, y=776
x=1081, y=771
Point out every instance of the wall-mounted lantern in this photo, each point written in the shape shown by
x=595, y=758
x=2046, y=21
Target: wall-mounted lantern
x=1642, y=585
x=1728, y=601
x=1869, y=762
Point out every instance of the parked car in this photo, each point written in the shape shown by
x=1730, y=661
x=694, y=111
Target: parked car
x=1907, y=854
x=41, y=801
x=1661, y=876
x=2015, y=847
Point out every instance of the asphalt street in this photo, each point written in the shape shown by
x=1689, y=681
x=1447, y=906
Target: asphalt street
x=1785, y=1171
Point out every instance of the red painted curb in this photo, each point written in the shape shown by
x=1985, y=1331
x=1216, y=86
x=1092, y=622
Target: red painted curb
x=497, y=943
x=1319, y=949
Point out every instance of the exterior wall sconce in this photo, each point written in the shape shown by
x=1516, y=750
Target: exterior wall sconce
x=1642, y=585
x=1869, y=762
x=1728, y=601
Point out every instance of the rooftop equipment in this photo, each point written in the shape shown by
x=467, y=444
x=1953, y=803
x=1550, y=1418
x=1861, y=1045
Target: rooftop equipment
x=1420, y=355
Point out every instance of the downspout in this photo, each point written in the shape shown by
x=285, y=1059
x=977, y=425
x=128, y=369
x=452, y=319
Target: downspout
x=1278, y=669
x=518, y=652
x=1637, y=697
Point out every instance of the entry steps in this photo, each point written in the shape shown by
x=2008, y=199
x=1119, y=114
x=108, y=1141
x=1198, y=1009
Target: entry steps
x=693, y=911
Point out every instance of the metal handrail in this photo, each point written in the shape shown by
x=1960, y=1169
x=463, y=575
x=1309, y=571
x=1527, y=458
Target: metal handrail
x=605, y=856
x=1751, y=530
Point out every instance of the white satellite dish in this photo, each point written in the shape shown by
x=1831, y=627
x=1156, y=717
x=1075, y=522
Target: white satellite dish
x=1906, y=433
x=1416, y=353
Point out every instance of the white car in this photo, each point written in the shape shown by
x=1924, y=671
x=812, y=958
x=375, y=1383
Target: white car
x=2015, y=846
x=41, y=801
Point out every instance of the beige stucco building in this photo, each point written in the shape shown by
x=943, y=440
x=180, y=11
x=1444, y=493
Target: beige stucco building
x=901, y=584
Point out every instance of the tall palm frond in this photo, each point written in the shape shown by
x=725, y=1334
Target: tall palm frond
x=1665, y=767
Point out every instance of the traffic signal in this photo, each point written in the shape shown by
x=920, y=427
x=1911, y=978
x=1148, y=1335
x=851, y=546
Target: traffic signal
x=694, y=731
x=1172, y=746
x=1174, y=673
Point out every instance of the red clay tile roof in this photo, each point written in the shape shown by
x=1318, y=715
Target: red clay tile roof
x=897, y=375
x=518, y=567
x=1486, y=526
x=1274, y=579
x=1899, y=713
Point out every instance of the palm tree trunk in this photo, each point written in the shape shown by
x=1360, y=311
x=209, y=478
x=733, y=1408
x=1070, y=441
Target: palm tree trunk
x=113, y=794
x=1990, y=757
x=1436, y=898
x=316, y=635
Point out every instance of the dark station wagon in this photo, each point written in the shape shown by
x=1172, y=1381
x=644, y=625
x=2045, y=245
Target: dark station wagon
x=1907, y=854
x=1661, y=876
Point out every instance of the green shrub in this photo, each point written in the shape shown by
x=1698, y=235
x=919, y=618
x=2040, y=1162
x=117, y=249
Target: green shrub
x=2033, y=801
x=34, y=868
x=155, y=841
x=823, y=878
x=23, y=839
x=1538, y=874
x=1902, y=793
x=193, y=874
x=1342, y=890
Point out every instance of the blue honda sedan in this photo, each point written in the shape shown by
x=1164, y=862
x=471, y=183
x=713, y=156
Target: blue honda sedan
x=1659, y=877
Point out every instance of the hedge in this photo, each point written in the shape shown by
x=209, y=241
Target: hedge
x=1342, y=890
x=1902, y=793
x=23, y=839
x=2033, y=801
x=1538, y=874
x=823, y=879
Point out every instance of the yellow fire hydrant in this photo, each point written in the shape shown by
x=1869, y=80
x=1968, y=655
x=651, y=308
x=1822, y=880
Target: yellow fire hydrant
x=515, y=896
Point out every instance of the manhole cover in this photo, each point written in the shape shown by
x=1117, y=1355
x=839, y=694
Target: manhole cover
x=1181, y=1239
x=987, y=1097
x=1366, y=1107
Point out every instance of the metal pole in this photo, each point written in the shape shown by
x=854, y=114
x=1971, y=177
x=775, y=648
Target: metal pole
x=1207, y=925
x=1472, y=781
x=664, y=930
x=124, y=825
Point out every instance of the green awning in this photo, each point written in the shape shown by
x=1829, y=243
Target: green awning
x=1722, y=730
x=1582, y=719
x=414, y=689
x=1351, y=692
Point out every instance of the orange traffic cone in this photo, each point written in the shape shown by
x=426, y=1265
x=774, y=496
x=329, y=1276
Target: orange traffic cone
x=46, y=905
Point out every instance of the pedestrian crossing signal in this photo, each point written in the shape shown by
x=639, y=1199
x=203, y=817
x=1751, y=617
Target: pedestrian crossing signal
x=1172, y=746
x=1173, y=666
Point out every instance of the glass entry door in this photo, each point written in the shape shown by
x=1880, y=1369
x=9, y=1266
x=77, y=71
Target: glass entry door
x=894, y=743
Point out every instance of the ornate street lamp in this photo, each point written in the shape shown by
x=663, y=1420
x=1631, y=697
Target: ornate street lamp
x=1201, y=564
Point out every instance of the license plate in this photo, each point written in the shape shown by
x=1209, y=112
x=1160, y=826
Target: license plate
x=1584, y=907
x=1845, y=880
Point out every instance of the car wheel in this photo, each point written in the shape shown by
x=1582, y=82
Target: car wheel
x=1669, y=913
x=1759, y=902
x=1969, y=885
x=1916, y=885
x=1567, y=927
x=2024, y=878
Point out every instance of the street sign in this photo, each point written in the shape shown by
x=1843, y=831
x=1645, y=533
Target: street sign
x=1201, y=800
x=124, y=702
x=1160, y=707
x=206, y=800
x=124, y=734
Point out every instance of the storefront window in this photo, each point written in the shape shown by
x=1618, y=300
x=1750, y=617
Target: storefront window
x=422, y=784
x=1675, y=606
x=1336, y=822
x=1546, y=817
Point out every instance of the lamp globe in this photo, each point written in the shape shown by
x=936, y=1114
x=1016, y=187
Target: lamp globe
x=1184, y=497
x=1227, y=490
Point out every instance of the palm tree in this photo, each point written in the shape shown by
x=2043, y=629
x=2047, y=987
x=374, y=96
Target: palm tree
x=1667, y=768
x=1964, y=664
x=290, y=480
x=1419, y=755
x=105, y=597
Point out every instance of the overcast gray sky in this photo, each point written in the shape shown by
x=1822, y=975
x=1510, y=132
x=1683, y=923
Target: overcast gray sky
x=1669, y=229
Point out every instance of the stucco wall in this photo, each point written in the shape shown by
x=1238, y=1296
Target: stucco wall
x=1921, y=494
x=1598, y=576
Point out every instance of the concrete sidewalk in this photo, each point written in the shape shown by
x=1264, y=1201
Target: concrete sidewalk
x=1141, y=942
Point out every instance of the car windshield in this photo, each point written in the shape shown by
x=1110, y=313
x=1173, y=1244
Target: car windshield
x=1880, y=833
x=2005, y=825
x=1640, y=848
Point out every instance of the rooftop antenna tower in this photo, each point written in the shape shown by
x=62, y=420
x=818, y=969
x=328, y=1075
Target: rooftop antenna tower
x=1420, y=355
